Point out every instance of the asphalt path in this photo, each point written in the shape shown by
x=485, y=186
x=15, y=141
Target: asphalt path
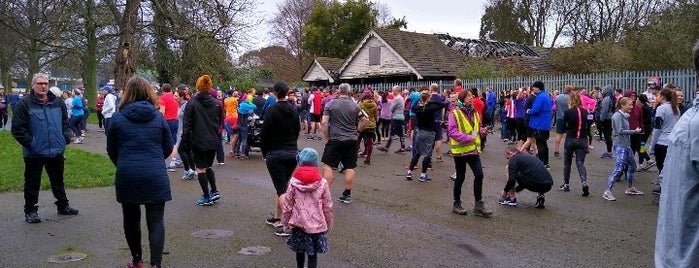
x=391, y=222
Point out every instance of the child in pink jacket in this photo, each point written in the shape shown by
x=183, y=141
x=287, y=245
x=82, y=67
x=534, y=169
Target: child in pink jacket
x=307, y=210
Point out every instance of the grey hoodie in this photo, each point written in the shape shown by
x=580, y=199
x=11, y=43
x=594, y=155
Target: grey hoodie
x=607, y=105
x=622, y=133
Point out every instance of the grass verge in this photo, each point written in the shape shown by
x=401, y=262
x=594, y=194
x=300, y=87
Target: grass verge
x=82, y=169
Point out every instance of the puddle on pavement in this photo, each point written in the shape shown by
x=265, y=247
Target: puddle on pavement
x=212, y=234
x=67, y=257
x=255, y=251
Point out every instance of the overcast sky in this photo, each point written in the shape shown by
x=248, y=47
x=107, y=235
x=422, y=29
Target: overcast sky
x=460, y=18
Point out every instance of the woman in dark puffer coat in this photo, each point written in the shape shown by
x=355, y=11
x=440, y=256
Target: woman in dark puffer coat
x=138, y=141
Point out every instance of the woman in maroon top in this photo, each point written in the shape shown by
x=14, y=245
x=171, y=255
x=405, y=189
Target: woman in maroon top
x=99, y=104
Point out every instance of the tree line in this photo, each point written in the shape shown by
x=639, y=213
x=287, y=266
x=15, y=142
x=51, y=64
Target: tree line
x=588, y=36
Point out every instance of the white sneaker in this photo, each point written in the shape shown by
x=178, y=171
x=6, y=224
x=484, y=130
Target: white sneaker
x=608, y=196
x=633, y=191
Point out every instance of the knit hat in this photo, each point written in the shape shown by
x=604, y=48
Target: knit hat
x=107, y=88
x=539, y=85
x=204, y=84
x=307, y=157
x=629, y=93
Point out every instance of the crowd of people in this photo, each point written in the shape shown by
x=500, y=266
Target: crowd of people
x=145, y=125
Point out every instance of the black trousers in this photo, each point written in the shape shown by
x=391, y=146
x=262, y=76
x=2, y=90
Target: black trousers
x=607, y=133
x=32, y=181
x=156, y=230
x=100, y=119
x=474, y=162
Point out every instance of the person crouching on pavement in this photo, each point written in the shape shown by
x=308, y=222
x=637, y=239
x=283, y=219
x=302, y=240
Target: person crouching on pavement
x=464, y=139
x=307, y=210
x=527, y=172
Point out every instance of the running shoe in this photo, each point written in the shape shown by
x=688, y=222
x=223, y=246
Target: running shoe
x=138, y=264
x=540, y=200
x=345, y=199
x=280, y=232
x=633, y=191
x=275, y=222
x=409, y=176
x=214, y=195
x=585, y=190
x=204, y=201
x=608, y=196
x=565, y=187
x=424, y=178
x=504, y=201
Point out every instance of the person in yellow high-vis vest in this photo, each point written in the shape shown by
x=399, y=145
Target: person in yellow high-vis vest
x=464, y=139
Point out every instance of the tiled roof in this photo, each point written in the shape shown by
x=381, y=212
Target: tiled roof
x=424, y=52
x=330, y=63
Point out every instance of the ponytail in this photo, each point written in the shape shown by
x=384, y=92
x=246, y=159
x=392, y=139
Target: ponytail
x=669, y=96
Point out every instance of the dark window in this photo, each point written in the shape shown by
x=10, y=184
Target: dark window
x=374, y=55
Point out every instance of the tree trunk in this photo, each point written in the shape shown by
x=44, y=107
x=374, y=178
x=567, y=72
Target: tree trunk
x=89, y=58
x=33, y=66
x=125, y=65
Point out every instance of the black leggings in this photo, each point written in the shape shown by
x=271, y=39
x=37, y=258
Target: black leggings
x=474, y=161
x=156, y=230
x=660, y=153
x=384, y=124
x=607, y=134
x=301, y=259
x=187, y=159
x=100, y=119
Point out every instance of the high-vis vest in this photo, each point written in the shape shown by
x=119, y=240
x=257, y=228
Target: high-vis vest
x=466, y=128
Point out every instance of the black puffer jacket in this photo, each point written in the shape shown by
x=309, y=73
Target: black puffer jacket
x=202, y=120
x=281, y=127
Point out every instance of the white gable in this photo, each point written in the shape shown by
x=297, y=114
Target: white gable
x=390, y=63
x=317, y=73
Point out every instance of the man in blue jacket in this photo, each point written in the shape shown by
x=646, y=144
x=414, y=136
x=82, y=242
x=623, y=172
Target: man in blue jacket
x=491, y=102
x=540, y=120
x=40, y=125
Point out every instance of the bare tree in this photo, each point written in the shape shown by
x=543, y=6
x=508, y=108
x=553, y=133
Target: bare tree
x=287, y=27
x=38, y=24
x=609, y=20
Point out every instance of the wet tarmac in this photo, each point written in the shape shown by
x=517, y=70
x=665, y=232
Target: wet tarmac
x=392, y=222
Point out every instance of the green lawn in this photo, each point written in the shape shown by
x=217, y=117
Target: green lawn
x=82, y=169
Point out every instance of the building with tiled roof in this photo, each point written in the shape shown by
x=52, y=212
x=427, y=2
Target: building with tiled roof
x=389, y=55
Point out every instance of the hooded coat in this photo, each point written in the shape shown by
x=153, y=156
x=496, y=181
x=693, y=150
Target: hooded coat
x=307, y=202
x=203, y=118
x=281, y=128
x=371, y=109
x=138, y=141
x=677, y=234
x=607, y=104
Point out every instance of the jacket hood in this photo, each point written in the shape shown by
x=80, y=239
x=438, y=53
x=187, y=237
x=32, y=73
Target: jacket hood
x=139, y=111
x=206, y=99
x=369, y=103
x=308, y=178
x=607, y=90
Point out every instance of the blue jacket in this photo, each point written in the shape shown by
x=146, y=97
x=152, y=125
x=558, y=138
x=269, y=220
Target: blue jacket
x=138, y=141
x=77, y=109
x=41, y=128
x=490, y=101
x=271, y=100
x=540, y=113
